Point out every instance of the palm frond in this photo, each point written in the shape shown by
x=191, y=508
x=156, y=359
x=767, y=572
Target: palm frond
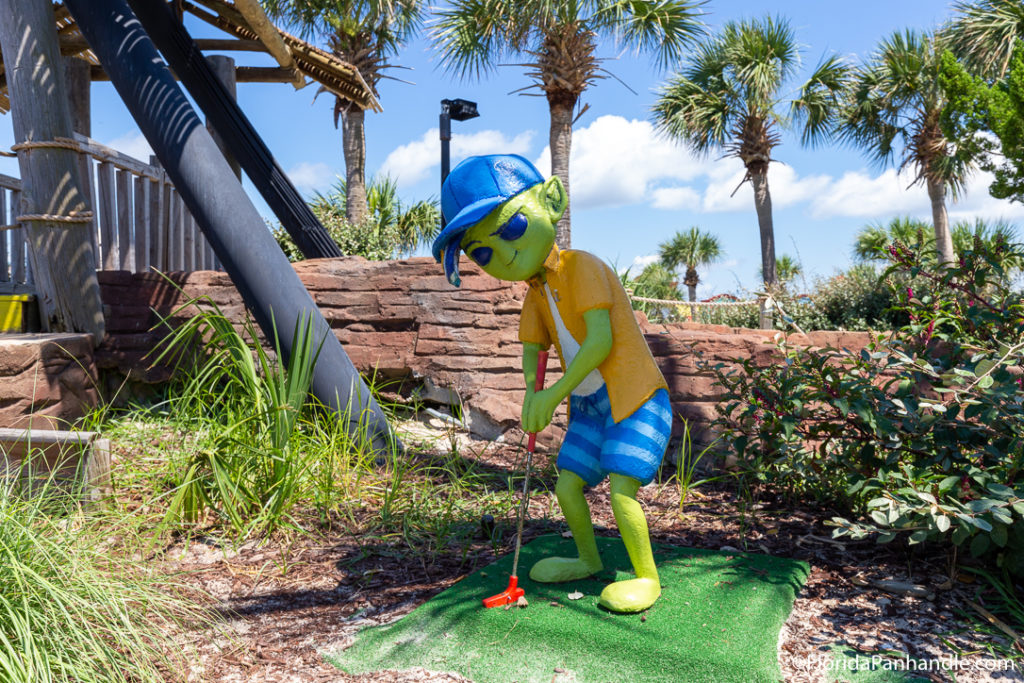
x=819, y=103
x=665, y=28
x=983, y=33
x=474, y=35
x=699, y=116
x=895, y=105
x=692, y=248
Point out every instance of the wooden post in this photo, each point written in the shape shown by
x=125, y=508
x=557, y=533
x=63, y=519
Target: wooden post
x=61, y=254
x=124, y=221
x=142, y=223
x=106, y=204
x=224, y=68
x=79, y=81
x=4, y=272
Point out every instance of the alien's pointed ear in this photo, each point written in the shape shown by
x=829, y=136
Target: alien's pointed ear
x=556, y=199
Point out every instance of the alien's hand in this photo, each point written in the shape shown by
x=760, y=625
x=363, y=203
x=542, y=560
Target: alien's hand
x=539, y=409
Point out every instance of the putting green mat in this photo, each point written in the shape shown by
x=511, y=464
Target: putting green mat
x=718, y=619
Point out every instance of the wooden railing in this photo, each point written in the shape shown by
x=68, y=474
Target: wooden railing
x=140, y=222
x=15, y=275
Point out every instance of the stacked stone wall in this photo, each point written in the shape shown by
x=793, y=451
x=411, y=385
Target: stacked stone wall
x=401, y=321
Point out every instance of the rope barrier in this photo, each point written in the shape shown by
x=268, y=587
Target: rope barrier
x=56, y=143
x=81, y=217
x=73, y=217
x=709, y=304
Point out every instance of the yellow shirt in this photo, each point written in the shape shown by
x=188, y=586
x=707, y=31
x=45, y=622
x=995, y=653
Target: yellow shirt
x=580, y=282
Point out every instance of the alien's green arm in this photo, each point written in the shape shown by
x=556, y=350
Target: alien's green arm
x=530, y=353
x=538, y=407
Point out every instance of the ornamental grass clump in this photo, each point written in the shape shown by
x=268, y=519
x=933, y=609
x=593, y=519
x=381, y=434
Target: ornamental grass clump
x=73, y=606
x=921, y=434
x=242, y=408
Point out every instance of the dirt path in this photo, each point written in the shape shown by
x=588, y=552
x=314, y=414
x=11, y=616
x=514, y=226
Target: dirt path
x=284, y=604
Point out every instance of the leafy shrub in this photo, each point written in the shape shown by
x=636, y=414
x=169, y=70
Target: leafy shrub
x=392, y=229
x=919, y=434
x=862, y=298
x=654, y=282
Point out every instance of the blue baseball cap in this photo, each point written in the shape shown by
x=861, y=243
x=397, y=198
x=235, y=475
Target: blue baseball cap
x=471, y=191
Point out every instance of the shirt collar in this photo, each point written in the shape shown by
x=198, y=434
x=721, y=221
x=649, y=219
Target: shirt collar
x=552, y=263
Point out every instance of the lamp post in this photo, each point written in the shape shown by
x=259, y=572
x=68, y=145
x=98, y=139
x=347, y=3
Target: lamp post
x=460, y=110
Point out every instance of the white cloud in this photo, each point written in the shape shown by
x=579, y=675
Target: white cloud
x=976, y=202
x=858, y=194
x=641, y=262
x=411, y=163
x=133, y=144
x=674, y=198
x=311, y=176
x=725, y=192
x=615, y=161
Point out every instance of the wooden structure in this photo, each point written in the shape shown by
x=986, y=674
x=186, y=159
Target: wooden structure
x=297, y=59
x=139, y=222
x=72, y=461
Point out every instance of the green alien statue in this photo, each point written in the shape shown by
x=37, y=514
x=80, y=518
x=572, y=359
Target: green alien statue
x=502, y=213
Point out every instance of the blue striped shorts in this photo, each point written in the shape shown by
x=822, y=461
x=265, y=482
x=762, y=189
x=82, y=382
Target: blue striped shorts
x=595, y=444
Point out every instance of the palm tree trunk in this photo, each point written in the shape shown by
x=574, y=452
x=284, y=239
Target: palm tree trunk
x=354, y=140
x=560, y=140
x=943, y=237
x=691, y=281
x=763, y=205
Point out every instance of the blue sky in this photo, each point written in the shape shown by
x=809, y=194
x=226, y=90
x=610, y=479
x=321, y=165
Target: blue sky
x=632, y=190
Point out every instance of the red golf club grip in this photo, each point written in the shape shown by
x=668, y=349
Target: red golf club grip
x=538, y=384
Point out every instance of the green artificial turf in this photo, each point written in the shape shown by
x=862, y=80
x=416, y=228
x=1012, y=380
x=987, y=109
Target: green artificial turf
x=718, y=619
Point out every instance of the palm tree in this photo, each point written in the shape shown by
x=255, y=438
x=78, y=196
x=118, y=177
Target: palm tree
x=559, y=42
x=693, y=248
x=998, y=240
x=787, y=269
x=983, y=33
x=727, y=98
x=896, y=98
x=392, y=229
x=874, y=239
x=366, y=34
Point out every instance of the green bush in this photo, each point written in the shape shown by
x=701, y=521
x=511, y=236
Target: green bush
x=393, y=228
x=920, y=434
x=861, y=298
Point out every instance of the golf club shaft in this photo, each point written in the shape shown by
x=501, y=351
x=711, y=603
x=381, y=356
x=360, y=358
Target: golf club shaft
x=538, y=384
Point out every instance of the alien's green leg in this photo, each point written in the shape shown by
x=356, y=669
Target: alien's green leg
x=569, y=490
x=640, y=593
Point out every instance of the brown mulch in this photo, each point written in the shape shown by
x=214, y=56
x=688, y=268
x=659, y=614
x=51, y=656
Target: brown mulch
x=285, y=603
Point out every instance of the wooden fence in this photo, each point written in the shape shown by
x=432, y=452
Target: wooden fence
x=15, y=274
x=140, y=222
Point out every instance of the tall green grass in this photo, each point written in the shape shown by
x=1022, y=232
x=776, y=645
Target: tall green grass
x=73, y=605
x=257, y=454
x=243, y=407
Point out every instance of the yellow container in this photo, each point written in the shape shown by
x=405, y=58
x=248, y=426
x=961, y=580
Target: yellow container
x=13, y=309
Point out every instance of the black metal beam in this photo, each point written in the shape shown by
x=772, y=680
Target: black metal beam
x=260, y=271
x=233, y=126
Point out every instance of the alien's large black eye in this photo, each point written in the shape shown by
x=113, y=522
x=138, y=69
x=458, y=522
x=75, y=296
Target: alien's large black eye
x=514, y=228
x=482, y=255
